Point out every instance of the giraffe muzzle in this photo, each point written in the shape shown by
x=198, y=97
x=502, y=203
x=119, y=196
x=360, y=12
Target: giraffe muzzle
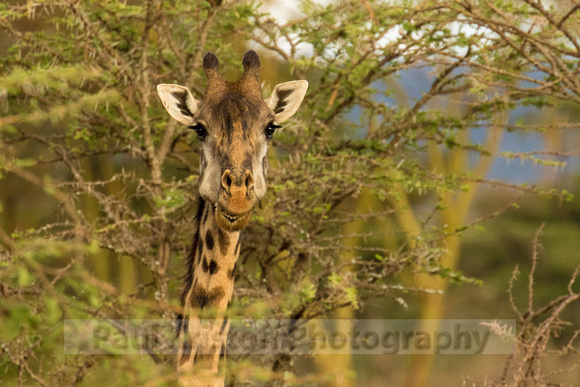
x=236, y=199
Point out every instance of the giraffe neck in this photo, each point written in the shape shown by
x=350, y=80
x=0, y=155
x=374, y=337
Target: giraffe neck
x=209, y=284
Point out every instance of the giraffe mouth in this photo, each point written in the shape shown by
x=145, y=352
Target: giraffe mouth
x=230, y=221
x=230, y=217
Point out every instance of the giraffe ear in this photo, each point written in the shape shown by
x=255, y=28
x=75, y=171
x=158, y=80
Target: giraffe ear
x=178, y=102
x=286, y=99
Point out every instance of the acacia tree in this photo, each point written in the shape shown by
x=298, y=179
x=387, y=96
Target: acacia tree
x=82, y=126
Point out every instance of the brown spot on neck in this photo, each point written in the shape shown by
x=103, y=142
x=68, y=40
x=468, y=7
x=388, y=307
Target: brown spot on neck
x=224, y=241
x=209, y=242
x=200, y=298
x=213, y=267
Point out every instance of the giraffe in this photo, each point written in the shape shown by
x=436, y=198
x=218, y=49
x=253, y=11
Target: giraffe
x=234, y=125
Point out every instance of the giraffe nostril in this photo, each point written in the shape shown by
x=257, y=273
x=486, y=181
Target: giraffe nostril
x=249, y=181
x=227, y=180
x=237, y=179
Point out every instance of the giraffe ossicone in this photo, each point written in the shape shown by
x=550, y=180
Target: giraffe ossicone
x=234, y=124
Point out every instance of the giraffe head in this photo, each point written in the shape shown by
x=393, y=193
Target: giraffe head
x=234, y=125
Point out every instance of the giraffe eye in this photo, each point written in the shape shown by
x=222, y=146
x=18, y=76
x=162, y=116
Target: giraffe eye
x=270, y=129
x=199, y=130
